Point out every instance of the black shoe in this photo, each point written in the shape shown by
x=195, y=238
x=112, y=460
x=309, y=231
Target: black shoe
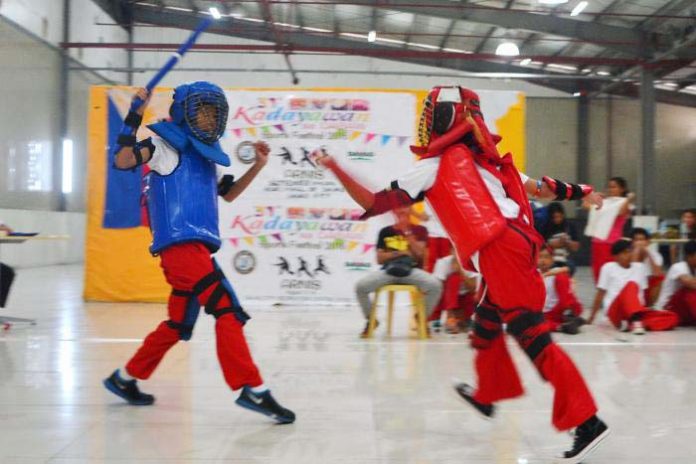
x=466, y=392
x=367, y=327
x=571, y=327
x=265, y=404
x=587, y=436
x=128, y=390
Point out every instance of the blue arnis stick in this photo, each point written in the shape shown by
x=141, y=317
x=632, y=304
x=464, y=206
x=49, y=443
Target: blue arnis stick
x=175, y=58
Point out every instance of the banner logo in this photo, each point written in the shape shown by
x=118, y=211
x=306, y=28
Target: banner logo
x=246, y=153
x=244, y=262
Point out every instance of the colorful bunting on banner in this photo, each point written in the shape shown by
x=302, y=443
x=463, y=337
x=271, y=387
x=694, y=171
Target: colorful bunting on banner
x=354, y=135
x=277, y=236
x=249, y=240
x=251, y=131
x=262, y=239
x=352, y=245
x=280, y=127
x=402, y=139
x=367, y=247
x=369, y=136
x=266, y=130
x=234, y=241
x=385, y=139
x=237, y=132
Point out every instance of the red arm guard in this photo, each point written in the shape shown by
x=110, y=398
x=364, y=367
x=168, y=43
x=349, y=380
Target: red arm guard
x=567, y=191
x=387, y=200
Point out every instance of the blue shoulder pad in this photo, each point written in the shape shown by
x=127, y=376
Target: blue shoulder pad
x=213, y=152
x=172, y=133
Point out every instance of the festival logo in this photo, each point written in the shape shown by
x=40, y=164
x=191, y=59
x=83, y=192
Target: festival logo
x=357, y=265
x=308, y=112
x=361, y=155
x=246, y=153
x=303, y=275
x=244, y=262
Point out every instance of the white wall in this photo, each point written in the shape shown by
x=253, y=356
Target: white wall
x=44, y=252
x=44, y=19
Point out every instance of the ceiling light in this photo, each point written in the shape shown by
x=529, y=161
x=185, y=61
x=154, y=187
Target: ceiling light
x=526, y=62
x=215, y=12
x=576, y=94
x=372, y=36
x=507, y=49
x=579, y=8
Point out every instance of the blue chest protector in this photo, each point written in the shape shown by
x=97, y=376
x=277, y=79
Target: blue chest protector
x=183, y=205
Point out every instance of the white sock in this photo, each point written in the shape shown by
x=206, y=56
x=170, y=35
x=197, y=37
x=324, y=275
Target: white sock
x=259, y=389
x=123, y=373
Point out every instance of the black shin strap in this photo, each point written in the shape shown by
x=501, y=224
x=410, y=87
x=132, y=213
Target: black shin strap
x=207, y=281
x=214, y=299
x=487, y=324
x=520, y=327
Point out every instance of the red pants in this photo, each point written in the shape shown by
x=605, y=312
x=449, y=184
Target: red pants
x=566, y=301
x=627, y=305
x=516, y=290
x=184, y=266
x=451, y=299
x=601, y=255
x=438, y=247
x=654, y=284
x=683, y=304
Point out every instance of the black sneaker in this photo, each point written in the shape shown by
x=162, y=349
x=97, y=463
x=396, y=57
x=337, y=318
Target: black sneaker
x=265, y=404
x=588, y=435
x=363, y=334
x=128, y=390
x=572, y=327
x=466, y=392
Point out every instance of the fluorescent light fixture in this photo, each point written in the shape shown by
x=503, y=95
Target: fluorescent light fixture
x=507, y=49
x=526, y=62
x=579, y=8
x=372, y=36
x=215, y=12
x=576, y=94
x=67, y=165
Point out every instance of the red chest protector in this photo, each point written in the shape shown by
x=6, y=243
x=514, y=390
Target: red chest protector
x=463, y=204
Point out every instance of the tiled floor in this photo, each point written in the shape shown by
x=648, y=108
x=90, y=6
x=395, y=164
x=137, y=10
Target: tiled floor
x=382, y=401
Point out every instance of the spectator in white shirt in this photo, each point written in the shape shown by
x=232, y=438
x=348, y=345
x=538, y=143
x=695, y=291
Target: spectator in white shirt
x=620, y=290
x=643, y=253
x=459, y=289
x=679, y=289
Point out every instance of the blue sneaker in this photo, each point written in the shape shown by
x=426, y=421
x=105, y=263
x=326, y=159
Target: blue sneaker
x=128, y=390
x=264, y=403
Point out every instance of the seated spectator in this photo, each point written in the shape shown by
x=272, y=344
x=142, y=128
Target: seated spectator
x=439, y=245
x=7, y=274
x=562, y=237
x=642, y=253
x=679, y=289
x=400, y=251
x=562, y=309
x=687, y=229
x=459, y=291
x=621, y=289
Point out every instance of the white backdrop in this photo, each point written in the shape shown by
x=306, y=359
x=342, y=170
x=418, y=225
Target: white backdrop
x=293, y=236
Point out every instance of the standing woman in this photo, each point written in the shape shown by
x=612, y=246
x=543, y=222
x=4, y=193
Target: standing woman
x=614, y=219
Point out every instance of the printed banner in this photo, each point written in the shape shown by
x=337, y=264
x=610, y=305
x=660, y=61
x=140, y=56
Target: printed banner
x=294, y=236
